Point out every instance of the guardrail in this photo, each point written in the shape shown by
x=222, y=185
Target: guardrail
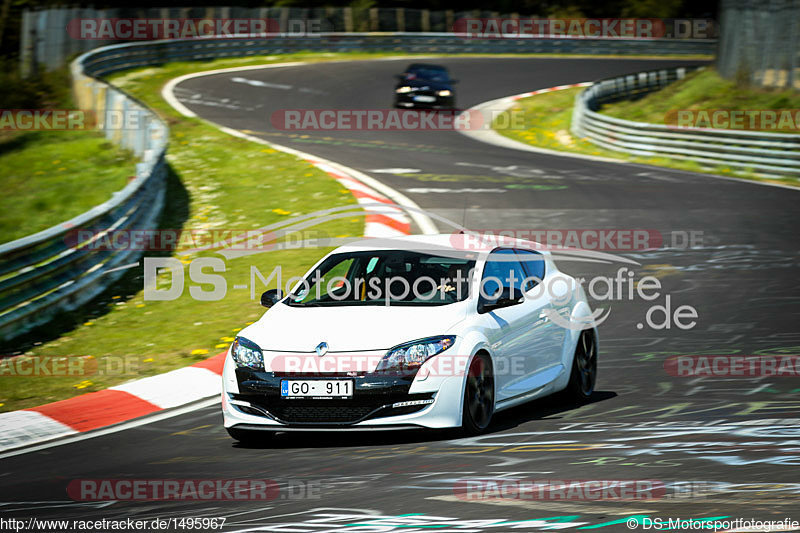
x=57, y=270
x=764, y=152
x=54, y=271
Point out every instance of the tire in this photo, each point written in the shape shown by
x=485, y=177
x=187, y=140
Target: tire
x=478, y=396
x=249, y=436
x=583, y=377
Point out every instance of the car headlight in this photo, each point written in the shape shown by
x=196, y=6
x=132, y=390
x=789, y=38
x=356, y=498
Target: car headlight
x=246, y=353
x=405, y=89
x=444, y=92
x=411, y=355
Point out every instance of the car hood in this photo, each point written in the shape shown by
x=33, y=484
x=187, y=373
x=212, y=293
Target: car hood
x=362, y=328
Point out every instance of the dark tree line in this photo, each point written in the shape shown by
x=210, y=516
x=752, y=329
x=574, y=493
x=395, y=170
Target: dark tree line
x=11, y=10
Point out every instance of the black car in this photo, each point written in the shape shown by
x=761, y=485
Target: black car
x=425, y=86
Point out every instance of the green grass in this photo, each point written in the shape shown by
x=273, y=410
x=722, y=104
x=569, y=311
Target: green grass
x=706, y=90
x=547, y=119
x=50, y=177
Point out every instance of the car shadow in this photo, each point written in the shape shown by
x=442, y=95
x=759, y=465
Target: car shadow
x=548, y=408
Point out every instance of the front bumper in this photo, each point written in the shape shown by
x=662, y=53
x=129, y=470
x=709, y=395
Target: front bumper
x=407, y=100
x=252, y=400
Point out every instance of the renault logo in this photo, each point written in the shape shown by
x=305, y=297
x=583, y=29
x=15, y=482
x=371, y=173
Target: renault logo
x=322, y=348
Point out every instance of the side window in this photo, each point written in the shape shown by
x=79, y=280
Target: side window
x=534, y=265
x=503, y=265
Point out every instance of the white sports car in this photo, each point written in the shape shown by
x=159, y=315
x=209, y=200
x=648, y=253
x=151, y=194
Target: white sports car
x=417, y=332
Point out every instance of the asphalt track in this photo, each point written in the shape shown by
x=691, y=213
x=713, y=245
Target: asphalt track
x=740, y=435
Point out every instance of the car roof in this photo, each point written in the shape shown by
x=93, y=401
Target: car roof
x=456, y=241
x=428, y=66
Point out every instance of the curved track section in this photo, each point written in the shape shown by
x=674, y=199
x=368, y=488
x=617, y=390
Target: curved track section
x=721, y=447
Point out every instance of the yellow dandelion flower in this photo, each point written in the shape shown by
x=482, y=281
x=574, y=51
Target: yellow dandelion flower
x=199, y=351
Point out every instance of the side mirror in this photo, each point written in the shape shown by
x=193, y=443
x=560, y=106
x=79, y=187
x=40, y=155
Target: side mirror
x=453, y=82
x=271, y=297
x=507, y=297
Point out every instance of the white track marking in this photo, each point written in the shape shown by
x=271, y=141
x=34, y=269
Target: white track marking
x=114, y=429
x=175, y=388
x=395, y=170
x=22, y=427
x=258, y=83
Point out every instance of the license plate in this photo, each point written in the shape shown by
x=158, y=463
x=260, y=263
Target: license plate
x=423, y=98
x=317, y=388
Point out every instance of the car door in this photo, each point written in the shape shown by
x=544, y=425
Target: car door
x=513, y=330
x=550, y=336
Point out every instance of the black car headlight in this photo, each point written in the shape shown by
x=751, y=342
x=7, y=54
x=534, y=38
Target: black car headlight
x=247, y=354
x=444, y=92
x=410, y=356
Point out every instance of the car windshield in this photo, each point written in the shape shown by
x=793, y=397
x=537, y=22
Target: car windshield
x=428, y=73
x=385, y=277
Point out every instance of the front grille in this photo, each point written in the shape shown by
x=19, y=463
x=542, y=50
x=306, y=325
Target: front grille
x=314, y=413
